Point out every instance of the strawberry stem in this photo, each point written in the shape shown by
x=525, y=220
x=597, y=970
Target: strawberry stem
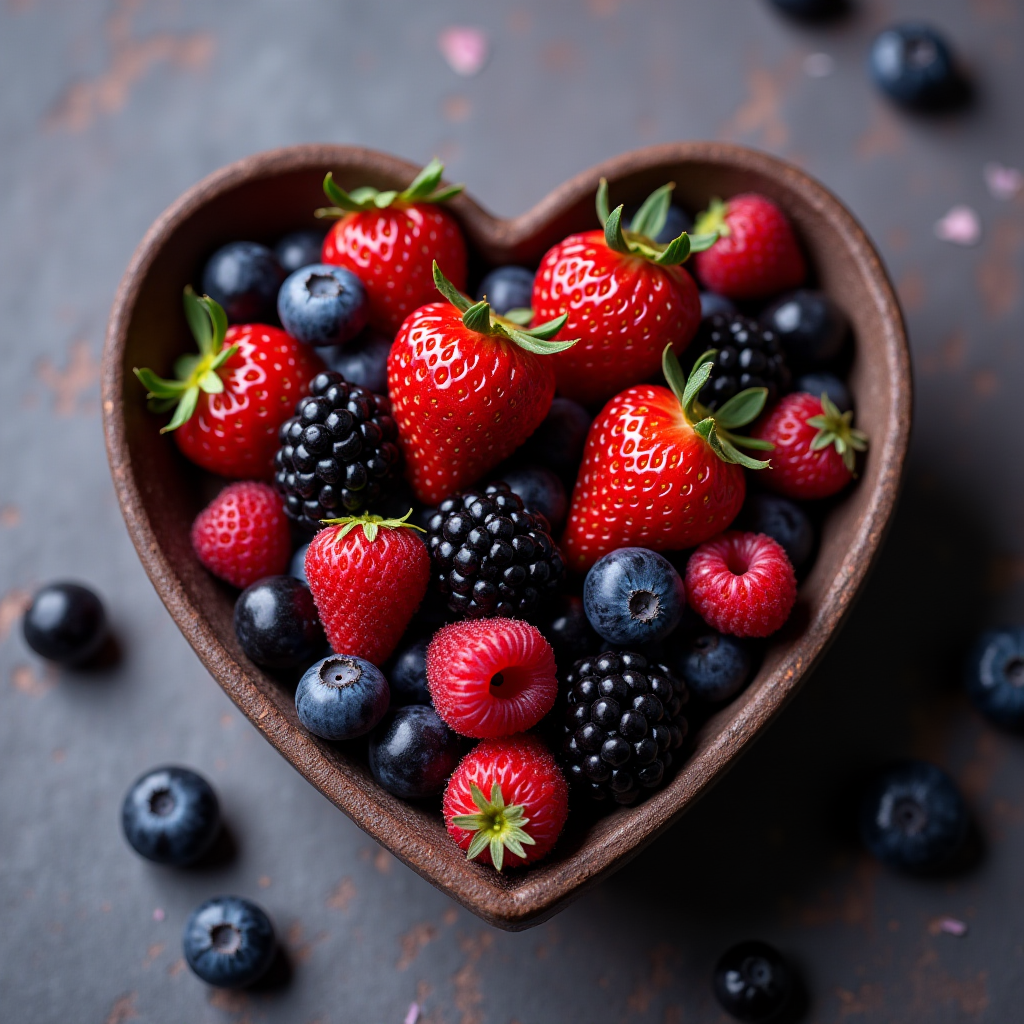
x=836, y=428
x=495, y=827
x=371, y=524
x=424, y=188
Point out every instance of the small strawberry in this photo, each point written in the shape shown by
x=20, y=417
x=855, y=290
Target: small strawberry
x=815, y=446
x=390, y=239
x=756, y=254
x=507, y=802
x=367, y=583
x=659, y=471
x=467, y=389
x=231, y=398
x=626, y=297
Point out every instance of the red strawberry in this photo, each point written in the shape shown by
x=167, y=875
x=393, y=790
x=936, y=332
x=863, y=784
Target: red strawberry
x=230, y=399
x=625, y=295
x=815, y=446
x=367, y=583
x=659, y=471
x=506, y=802
x=756, y=254
x=390, y=239
x=243, y=535
x=491, y=677
x=467, y=389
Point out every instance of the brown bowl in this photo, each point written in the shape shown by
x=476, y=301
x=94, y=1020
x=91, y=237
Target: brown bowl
x=262, y=197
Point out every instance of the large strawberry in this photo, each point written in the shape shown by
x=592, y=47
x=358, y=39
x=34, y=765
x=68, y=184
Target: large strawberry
x=626, y=297
x=467, y=389
x=231, y=398
x=659, y=471
x=390, y=239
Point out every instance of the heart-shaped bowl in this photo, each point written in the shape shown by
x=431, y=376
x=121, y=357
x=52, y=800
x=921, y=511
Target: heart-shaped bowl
x=264, y=196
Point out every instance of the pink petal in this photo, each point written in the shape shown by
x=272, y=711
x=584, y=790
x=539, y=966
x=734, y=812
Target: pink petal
x=413, y=1015
x=960, y=226
x=158, y=914
x=1003, y=182
x=466, y=49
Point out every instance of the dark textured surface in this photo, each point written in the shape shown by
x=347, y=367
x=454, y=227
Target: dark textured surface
x=108, y=111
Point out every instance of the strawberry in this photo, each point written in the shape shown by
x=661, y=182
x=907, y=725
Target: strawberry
x=507, y=802
x=659, y=471
x=389, y=240
x=467, y=389
x=815, y=446
x=231, y=398
x=626, y=297
x=367, y=583
x=756, y=254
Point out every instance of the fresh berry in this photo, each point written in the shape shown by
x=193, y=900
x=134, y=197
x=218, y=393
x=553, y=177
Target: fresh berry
x=368, y=576
x=819, y=382
x=339, y=452
x=753, y=983
x=558, y=442
x=297, y=566
x=299, y=249
x=323, y=305
x=633, y=596
x=65, y=623
x=507, y=288
x=913, y=817
x=230, y=399
x=714, y=666
x=623, y=726
x=710, y=304
x=741, y=583
x=995, y=676
x=413, y=753
x=507, y=802
x=389, y=240
x=677, y=220
x=815, y=449
x=467, y=388
x=568, y=630
x=491, y=677
x=363, y=361
x=407, y=673
x=626, y=297
x=490, y=557
x=784, y=521
x=277, y=624
x=756, y=254
x=171, y=816
x=244, y=277
x=243, y=535
x=229, y=942
x=541, y=490
x=341, y=697
x=809, y=326
x=913, y=65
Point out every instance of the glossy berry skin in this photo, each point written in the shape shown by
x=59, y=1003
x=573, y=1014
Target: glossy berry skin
x=363, y=361
x=463, y=401
x=753, y=983
x=171, y=816
x=276, y=623
x=819, y=382
x=810, y=327
x=558, y=442
x=229, y=942
x=913, y=65
x=714, y=666
x=742, y=584
x=407, y=673
x=507, y=288
x=541, y=490
x=491, y=677
x=568, y=630
x=341, y=697
x=65, y=623
x=323, y=305
x=647, y=480
x=392, y=250
x=299, y=249
x=623, y=308
x=913, y=817
x=994, y=676
x=784, y=521
x=297, y=565
x=413, y=753
x=243, y=535
x=244, y=278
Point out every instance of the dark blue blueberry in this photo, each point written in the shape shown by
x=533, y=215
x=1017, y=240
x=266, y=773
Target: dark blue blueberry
x=913, y=816
x=558, y=442
x=711, y=303
x=542, y=491
x=633, y=595
x=817, y=383
x=363, y=361
x=568, y=630
x=714, y=667
x=812, y=10
x=507, y=288
x=677, y=220
x=995, y=676
x=65, y=623
x=244, y=278
x=413, y=752
x=229, y=942
x=811, y=328
x=752, y=982
x=407, y=673
x=323, y=305
x=341, y=697
x=782, y=520
x=171, y=816
x=299, y=249
x=276, y=623
x=913, y=65
x=297, y=566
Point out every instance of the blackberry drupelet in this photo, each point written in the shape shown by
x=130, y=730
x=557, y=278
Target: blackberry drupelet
x=749, y=356
x=623, y=724
x=490, y=556
x=338, y=453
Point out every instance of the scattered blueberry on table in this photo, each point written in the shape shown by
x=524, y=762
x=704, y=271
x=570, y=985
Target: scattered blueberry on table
x=65, y=623
x=913, y=64
x=995, y=676
x=753, y=983
x=229, y=942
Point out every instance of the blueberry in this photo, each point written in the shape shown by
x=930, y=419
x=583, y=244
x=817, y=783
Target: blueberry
x=677, y=221
x=811, y=328
x=507, y=288
x=714, y=667
x=297, y=566
x=299, y=249
x=244, y=278
x=913, y=816
x=171, y=816
x=229, y=942
x=276, y=622
x=558, y=442
x=407, y=673
x=363, y=361
x=710, y=303
x=812, y=10
x=829, y=384
x=752, y=982
x=782, y=520
x=542, y=491
x=995, y=676
x=568, y=630
x=65, y=623
x=413, y=752
x=633, y=595
x=341, y=697
x=913, y=65
x=323, y=305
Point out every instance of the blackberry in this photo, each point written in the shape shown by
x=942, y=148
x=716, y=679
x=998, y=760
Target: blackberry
x=338, y=453
x=490, y=556
x=749, y=356
x=623, y=722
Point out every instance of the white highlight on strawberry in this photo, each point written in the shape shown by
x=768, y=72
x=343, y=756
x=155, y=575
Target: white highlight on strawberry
x=466, y=49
